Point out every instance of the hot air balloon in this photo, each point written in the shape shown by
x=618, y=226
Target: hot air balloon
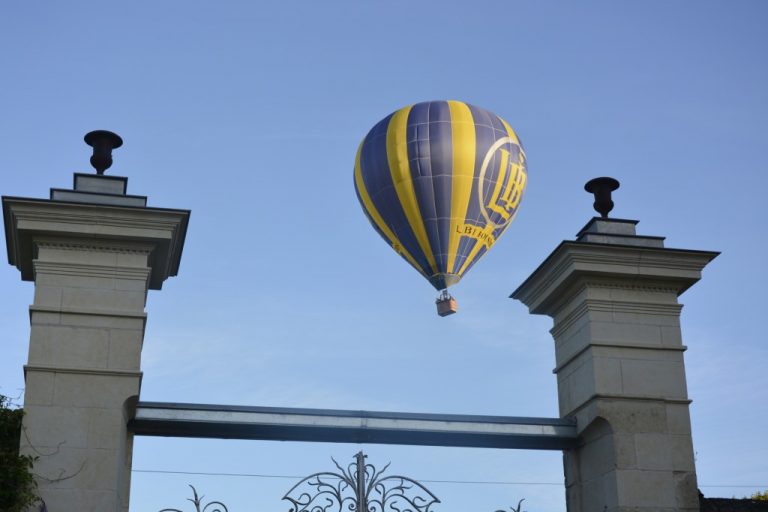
x=440, y=181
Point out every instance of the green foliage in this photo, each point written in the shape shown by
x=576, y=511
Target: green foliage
x=760, y=496
x=17, y=484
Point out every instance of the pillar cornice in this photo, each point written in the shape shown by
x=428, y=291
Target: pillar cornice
x=158, y=231
x=572, y=266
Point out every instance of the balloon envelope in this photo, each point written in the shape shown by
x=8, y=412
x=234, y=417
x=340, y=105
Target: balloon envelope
x=440, y=181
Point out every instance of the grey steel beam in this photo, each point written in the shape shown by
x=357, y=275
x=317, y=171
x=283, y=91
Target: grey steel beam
x=326, y=425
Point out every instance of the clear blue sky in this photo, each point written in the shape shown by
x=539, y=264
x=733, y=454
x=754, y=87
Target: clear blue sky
x=249, y=114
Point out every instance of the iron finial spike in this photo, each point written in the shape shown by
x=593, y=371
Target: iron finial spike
x=362, y=498
x=602, y=188
x=102, y=142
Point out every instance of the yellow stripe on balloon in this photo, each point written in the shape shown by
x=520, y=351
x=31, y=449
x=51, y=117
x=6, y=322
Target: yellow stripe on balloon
x=502, y=174
x=512, y=135
x=463, y=143
x=400, y=169
x=374, y=214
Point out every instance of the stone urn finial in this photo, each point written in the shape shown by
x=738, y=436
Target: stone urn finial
x=602, y=188
x=102, y=142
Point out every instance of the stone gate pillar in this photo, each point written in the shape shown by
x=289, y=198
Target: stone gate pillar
x=619, y=363
x=93, y=253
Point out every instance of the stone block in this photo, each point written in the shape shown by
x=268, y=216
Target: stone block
x=102, y=319
x=653, y=451
x=47, y=295
x=568, y=348
x=564, y=331
x=581, y=383
x=52, y=427
x=597, y=457
x=125, y=349
x=106, y=428
x=633, y=416
x=39, y=387
x=640, y=316
x=646, y=489
x=104, y=299
x=671, y=336
x=115, y=185
x=634, y=294
x=80, y=468
x=565, y=400
x=678, y=419
x=639, y=352
x=88, y=390
x=133, y=284
x=571, y=466
x=74, y=279
x=599, y=313
x=681, y=453
x=687, y=491
x=654, y=378
x=625, y=333
x=68, y=347
x=625, y=449
x=599, y=493
x=44, y=317
x=608, y=378
x=567, y=308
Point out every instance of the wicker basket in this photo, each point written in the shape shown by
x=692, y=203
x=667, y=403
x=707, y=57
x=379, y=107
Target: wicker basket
x=446, y=307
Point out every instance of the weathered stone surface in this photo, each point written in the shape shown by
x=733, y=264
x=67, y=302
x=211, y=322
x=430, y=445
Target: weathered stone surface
x=39, y=388
x=70, y=347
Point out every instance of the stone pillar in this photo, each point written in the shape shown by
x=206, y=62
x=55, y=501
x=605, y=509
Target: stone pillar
x=93, y=253
x=619, y=363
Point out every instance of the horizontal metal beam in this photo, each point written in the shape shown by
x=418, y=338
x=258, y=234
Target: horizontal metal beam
x=325, y=425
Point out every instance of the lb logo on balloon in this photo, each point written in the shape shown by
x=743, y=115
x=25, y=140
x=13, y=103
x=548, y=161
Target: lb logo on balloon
x=501, y=182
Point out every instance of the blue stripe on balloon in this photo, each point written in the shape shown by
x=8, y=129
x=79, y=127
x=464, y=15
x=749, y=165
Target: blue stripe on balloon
x=477, y=257
x=429, y=183
x=440, y=146
x=369, y=217
x=378, y=181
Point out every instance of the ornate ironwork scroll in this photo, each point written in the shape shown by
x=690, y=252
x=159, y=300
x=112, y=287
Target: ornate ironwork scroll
x=513, y=509
x=212, y=506
x=359, y=487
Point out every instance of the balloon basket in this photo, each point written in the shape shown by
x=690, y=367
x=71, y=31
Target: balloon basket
x=446, y=305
